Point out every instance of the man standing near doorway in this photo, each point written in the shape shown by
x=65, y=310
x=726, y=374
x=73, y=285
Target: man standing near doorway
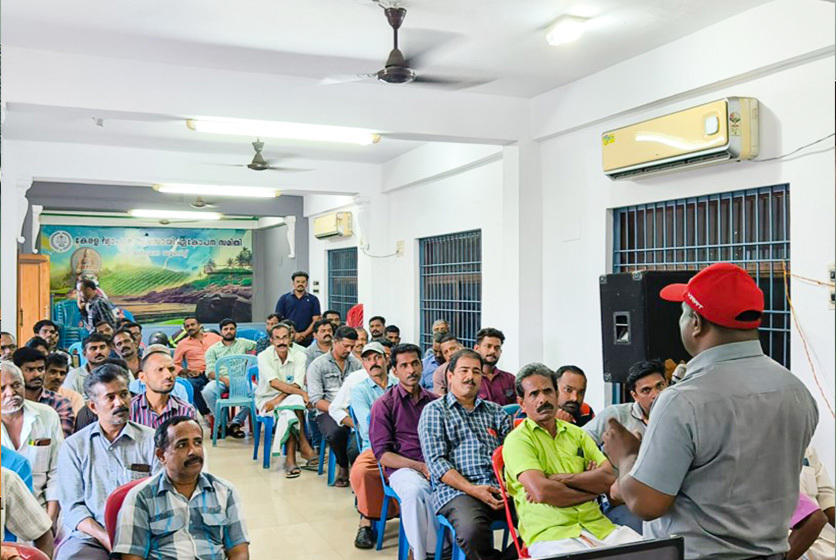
x=219, y=382
x=192, y=351
x=727, y=442
x=300, y=307
x=497, y=385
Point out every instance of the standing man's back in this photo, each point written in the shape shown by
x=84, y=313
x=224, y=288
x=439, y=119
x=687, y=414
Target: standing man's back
x=720, y=461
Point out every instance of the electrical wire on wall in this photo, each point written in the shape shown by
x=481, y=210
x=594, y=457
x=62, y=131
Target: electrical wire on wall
x=804, y=147
x=803, y=336
x=363, y=248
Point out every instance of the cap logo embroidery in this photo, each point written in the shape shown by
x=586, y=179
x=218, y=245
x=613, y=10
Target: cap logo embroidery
x=694, y=300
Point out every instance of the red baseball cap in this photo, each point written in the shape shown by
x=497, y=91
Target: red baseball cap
x=720, y=293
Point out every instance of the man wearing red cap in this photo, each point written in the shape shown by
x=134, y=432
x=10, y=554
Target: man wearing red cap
x=720, y=461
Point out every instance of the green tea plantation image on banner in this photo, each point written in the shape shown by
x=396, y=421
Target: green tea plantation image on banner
x=158, y=274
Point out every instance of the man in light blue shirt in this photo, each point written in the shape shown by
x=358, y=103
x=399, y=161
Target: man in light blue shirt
x=432, y=360
x=95, y=461
x=229, y=345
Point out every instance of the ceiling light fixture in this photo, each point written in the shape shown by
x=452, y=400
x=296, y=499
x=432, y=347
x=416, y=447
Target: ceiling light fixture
x=565, y=30
x=174, y=214
x=234, y=191
x=285, y=130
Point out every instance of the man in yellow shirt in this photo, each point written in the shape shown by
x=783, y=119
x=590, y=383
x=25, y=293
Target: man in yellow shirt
x=554, y=471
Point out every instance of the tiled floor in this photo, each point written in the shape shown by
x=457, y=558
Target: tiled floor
x=298, y=518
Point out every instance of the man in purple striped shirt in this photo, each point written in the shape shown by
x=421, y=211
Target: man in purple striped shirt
x=157, y=404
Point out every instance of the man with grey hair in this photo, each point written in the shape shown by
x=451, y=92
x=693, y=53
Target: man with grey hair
x=440, y=326
x=34, y=430
x=8, y=345
x=95, y=461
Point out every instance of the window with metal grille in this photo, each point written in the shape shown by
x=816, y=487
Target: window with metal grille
x=451, y=284
x=342, y=280
x=750, y=228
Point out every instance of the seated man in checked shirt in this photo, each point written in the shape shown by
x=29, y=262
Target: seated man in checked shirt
x=458, y=434
x=181, y=513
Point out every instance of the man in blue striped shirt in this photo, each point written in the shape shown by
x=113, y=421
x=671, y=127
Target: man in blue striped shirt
x=181, y=513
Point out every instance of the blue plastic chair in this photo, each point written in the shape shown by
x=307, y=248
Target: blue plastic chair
x=380, y=524
x=128, y=315
x=332, y=461
x=77, y=348
x=188, y=387
x=511, y=409
x=458, y=554
x=236, y=368
x=355, y=430
x=251, y=334
x=16, y=462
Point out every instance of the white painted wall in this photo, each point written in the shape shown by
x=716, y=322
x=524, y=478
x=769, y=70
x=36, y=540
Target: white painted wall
x=797, y=107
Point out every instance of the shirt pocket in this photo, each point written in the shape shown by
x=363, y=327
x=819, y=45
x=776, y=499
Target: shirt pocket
x=166, y=524
x=214, y=522
x=39, y=458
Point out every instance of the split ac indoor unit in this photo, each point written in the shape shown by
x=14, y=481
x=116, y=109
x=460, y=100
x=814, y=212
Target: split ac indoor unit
x=723, y=130
x=337, y=224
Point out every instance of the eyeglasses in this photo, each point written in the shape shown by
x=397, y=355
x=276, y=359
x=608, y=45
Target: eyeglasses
x=10, y=347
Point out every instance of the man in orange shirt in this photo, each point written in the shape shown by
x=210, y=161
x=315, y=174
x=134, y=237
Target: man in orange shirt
x=191, y=351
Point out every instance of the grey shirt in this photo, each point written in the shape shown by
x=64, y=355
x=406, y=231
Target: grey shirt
x=324, y=377
x=313, y=352
x=628, y=414
x=90, y=468
x=75, y=380
x=728, y=442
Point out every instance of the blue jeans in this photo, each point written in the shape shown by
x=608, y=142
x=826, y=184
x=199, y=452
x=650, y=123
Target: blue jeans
x=212, y=392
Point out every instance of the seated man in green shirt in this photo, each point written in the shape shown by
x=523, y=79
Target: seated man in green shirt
x=554, y=471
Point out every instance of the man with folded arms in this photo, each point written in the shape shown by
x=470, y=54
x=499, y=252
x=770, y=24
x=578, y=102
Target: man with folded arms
x=181, y=508
x=393, y=431
x=97, y=460
x=555, y=474
x=34, y=431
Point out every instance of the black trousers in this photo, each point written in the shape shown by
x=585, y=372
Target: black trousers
x=345, y=448
x=198, y=383
x=472, y=518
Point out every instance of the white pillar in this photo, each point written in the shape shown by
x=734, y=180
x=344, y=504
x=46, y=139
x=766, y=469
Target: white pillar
x=13, y=206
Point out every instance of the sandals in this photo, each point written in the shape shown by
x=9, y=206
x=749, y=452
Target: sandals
x=235, y=431
x=292, y=472
x=311, y=464
x=341, y=482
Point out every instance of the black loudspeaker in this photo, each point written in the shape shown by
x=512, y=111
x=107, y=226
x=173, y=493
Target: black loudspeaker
x=636, y=323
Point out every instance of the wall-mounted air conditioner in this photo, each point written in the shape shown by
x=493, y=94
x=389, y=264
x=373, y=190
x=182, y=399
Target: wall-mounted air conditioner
x=723, y=130
x=333, y=225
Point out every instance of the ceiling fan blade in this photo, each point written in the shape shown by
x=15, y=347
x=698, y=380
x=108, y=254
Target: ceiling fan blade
x=450, y=82
x=228, y=164
x=418, y=44
x=344, y=79
x=288, y=169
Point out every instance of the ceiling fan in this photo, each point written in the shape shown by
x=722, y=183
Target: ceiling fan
x=259, y=163
x=401, y=70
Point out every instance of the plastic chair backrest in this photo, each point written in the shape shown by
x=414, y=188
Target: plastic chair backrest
x=77, y=349
x=114, y=504
x=236, y=368
x=511, y=409
x=253, y=373
x=66, y=312
x=18, y=464
x=188, y=387
x=356, y=432
x=251, y=334
x=26, y=552
x=128, y=315
x=498, y=471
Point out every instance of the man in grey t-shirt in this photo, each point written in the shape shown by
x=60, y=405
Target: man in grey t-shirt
x=721, y=458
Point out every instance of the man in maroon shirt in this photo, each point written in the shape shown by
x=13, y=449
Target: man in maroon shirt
x=497, y=385
x=393, y=431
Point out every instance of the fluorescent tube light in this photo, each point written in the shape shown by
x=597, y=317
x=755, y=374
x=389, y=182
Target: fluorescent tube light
x=174, y=214
x=285, y=130
x=565, y=30
x=217, y=190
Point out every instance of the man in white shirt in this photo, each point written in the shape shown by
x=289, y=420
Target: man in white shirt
x=281, y=376
x=33, y=430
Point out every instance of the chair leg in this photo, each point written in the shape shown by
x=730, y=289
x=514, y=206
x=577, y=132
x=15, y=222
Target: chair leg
x=332, y=467
x=505, y=535
x=380, y=524
x=403, y=544
x=216, y=426
x=268, y=442
x=256, y=438
x=439, y=544
x=322, y=446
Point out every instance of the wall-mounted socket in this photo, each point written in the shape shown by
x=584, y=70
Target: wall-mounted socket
x=399, y=248
x=831, y=275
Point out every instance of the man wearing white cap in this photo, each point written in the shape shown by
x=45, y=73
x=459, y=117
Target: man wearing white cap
x=720, y=461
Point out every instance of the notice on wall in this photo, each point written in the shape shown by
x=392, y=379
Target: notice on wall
x=158, y=274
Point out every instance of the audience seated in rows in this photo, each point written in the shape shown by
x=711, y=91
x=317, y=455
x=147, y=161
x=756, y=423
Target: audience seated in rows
x=96, y=348
x=126, y=348
x=39, y=344
x=334, y=316
x=325, y=376
x=263, y=343
x=438, y=326
x=34, y=431
x=459, y=433
x=191, y=351
x=281, y=378
x=48, y=330
x=393, y=334
x=57, y=367
x=377, y=327
x=32, y=364
x=431, y=361
x=8, y=344
x=497, y=385
x=449, y=346
x=555, y=473
x=181, y=508
x=157, y=404
x=229, y=345
x=362, y=340
x=359, y=391
x=393, y=435
x=323, y=337
x=95, y=461
x=571, y=390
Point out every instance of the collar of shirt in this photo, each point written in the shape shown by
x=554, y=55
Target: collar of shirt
x=531, y=425
x=404, y=395
x=274, y=356
x=30, y=418
x=637, y=412
x=142, y=401
x=165, y=485
x=128, y=431
x=371, y=383
x=722, y=353
x=450, y=401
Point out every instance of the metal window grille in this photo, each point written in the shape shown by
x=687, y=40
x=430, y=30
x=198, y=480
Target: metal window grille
x=342, y=280
x=750, y=228
x=451, y=284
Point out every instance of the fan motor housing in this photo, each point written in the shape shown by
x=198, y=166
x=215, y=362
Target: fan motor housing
x=396, y=75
